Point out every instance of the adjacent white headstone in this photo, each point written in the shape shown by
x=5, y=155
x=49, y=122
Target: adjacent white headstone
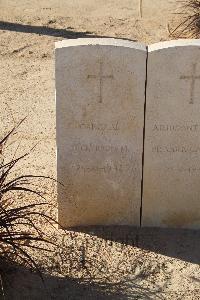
x=100, y=94
x=172, y=138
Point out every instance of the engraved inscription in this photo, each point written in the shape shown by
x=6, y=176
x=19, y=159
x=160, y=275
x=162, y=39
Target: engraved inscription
x=100, y=77
x=185, y=170
x=176, y=127
x=94, y=126
x=176, y=149
x=105, y=169
x=100, y=148
x=193, y=77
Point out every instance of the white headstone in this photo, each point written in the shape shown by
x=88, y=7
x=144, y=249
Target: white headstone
x=172, y=136
x=100, y=94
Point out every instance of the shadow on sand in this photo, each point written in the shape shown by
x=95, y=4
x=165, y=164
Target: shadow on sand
x=20, y=283
x=183, y=244
x=45, y=30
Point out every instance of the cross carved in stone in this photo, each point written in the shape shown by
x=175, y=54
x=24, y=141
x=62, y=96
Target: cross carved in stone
x=193, y=77
x=100, y=77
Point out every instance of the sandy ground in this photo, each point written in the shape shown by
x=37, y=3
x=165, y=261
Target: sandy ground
x=119, y=263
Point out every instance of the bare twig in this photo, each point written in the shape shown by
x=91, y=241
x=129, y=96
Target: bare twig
x=141, y=8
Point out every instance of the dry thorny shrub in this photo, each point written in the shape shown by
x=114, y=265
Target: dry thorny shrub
x=189, y=26
x=20, y=234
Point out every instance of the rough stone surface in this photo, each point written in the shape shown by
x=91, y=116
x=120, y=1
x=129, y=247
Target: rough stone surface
x=172, y=139
x=100, y=92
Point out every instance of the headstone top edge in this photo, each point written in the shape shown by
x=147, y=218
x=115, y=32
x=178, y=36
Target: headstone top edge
x=173, y=43
x=100, y=42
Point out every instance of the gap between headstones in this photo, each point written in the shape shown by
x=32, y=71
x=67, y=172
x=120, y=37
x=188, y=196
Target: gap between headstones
x=144, y=127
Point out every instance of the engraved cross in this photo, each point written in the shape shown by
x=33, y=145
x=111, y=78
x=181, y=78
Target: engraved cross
x=101, y=77
x=193, y=79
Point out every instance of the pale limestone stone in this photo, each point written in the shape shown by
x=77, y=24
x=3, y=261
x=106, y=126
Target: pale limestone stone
x=100, y=93
x=172, y=136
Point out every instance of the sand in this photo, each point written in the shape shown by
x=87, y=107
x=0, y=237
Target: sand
x=98, y=263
